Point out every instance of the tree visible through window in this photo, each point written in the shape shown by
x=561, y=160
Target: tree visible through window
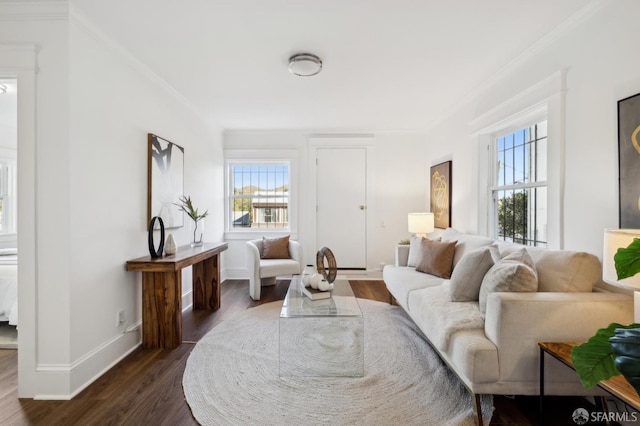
x=520, y=191
x=260, y=196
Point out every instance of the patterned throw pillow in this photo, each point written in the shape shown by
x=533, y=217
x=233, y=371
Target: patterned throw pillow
x=515, y=272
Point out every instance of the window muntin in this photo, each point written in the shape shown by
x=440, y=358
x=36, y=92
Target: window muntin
x=520, y=192
x=259, y=195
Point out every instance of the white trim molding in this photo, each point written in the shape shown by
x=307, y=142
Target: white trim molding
x=543, y=99
x=34, y=10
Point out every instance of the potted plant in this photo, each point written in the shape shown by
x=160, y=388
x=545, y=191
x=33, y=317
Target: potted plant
x=616, y=349
x=186, y=205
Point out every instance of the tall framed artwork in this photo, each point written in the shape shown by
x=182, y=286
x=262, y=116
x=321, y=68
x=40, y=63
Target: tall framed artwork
x=440, y=178
x=629, y=161
x=165, y=181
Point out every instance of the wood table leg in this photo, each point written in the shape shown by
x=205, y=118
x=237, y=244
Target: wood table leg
x=541, y=396
x=161, y=309
x=206, y=284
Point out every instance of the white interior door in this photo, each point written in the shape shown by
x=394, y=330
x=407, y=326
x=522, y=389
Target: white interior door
x=342, y=204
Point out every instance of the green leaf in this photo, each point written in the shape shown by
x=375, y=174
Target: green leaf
x=627, y=260
x=186, y=205
x=594, y=359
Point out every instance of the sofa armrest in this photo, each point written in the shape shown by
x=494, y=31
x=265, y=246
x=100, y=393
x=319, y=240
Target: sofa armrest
x=402, y=255
x=295, y=251
x=516, y=322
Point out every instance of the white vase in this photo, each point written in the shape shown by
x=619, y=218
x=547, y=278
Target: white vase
x=196, y=232
x=170, y=246
x=309, y=270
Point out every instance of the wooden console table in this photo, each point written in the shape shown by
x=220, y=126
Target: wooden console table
x=162, y=290
x=617, y=386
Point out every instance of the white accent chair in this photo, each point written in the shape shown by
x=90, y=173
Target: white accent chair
x=263, y=272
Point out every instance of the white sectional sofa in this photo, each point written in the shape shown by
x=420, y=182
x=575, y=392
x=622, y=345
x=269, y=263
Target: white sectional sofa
x=497, y=353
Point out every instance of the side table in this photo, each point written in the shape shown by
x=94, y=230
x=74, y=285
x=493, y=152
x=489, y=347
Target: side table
x=162, y=290
x=617, y=386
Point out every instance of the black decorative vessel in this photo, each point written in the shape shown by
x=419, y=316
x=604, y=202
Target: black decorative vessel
x=625, y=345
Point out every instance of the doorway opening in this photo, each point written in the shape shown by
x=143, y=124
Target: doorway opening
x=8, y=214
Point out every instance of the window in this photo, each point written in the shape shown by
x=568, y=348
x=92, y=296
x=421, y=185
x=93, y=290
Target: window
x=259, y=195
x=519, y=194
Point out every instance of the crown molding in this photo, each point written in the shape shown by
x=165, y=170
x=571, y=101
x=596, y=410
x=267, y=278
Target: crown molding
x=34, y=10
x=547, y=40
x=86, y=24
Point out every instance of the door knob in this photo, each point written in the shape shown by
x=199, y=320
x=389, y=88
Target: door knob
x=361, y=207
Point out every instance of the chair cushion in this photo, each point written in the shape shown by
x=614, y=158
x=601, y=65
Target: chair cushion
x=276, y=267
x=436, y=257
x=275, y=248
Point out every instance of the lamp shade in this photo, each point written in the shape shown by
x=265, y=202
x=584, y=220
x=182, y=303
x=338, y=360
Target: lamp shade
x=420, y=223
x=613, y=240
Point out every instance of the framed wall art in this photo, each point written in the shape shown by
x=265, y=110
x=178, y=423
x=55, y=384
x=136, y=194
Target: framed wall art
x=629, y=161
x=165, y=181
x=440, y=178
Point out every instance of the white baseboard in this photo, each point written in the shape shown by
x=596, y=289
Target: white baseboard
x=87, y=369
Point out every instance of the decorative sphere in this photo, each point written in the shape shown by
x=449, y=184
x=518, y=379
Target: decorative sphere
x=315, y=280
x=325, y=285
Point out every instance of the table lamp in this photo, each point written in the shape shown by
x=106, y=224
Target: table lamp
x=613, y=240
x=421, y=224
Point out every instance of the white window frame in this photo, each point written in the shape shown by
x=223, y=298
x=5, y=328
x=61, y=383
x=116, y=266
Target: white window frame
x=257, y=157
x=495, y=187
x=545, y=98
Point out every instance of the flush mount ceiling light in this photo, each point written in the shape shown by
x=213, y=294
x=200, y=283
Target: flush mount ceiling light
x=305, y=64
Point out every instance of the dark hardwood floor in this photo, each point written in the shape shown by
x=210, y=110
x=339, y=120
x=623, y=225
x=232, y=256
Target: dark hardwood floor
x=146, y=387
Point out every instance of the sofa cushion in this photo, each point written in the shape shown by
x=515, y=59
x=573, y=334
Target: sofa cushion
x=515, y=272
x=403, y=280
x=562, y=270
x=466, y=242
x=414, y=251
x=275, y=248
x=467, y=276
x=436, y=257
x=439, y=318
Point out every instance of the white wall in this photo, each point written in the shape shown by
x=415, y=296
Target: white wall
x=401, y=167
x=601, y=68
x=595, y=52
x=85, y=193
x=113, y=107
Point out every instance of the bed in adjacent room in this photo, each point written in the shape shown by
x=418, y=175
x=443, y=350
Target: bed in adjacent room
x=9, y=286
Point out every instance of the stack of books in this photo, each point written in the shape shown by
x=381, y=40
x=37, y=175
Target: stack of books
x=315, y=294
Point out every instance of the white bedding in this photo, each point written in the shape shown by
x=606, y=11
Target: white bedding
x=9, y=289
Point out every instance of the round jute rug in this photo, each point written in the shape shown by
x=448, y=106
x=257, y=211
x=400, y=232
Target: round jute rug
x=232, y=378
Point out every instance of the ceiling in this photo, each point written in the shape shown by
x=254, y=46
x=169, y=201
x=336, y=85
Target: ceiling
x=388, y=65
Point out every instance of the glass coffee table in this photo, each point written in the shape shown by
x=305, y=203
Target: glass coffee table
x=321, y=337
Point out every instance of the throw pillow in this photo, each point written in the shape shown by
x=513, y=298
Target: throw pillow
x=467, y=275
x=414, y=251
x=515, y=272
x=436, y=257
x=275, y=248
